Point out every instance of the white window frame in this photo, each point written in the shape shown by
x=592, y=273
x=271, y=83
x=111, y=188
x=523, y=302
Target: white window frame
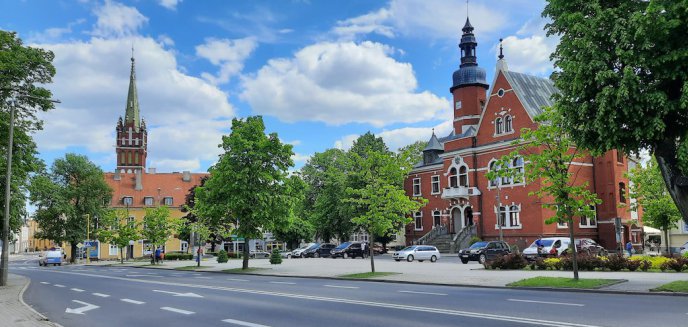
x=149, y=201
x=130, y=201
x=418, y=216
x=111, y=248
x=436, y=217
x=465, y=174
x=561, y=225
x=416, y=186
x=508, y=210
x=520, y=168
x=590, y=223
x=493, y=182
x=435, y=181
x=455, y=176
x=169, y=201
x=508, y=124
x=499, y=126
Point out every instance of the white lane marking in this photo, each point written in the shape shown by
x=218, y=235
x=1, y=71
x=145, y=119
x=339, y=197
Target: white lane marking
x=80, y=311
x=286, y=283
x=132, y=301
x=100, y=294
x=339, y=286
x=76, y=289
x=428, y=293
x=202, y=277
x=177, y=310
x=476, y=315
x=238, y=279
x=179, y=294
x=547, y=302
x=243, y=323
x=143, y=275
x=45, y=283
x=59, y=285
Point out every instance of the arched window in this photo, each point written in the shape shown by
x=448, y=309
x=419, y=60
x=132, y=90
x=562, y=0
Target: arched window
x=493, y=166
x=517, y=165
x=622, y=192
x=436, y=220
x=499, y=126
x=514, y=216
x=463, y=176
x=507, y=124
x=418, y=220
x=453, y=178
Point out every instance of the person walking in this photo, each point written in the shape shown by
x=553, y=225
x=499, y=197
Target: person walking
x=629, y=248
x=157, y=255
x=540, y=245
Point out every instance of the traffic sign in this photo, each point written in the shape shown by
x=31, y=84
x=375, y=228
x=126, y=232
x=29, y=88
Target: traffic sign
x=79, y=245
x=90, y=244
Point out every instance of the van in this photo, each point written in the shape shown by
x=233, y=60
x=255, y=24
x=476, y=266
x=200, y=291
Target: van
x=52, y=257
x=552, y=247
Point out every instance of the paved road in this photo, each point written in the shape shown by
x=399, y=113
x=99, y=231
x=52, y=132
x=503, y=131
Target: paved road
x=104, y=296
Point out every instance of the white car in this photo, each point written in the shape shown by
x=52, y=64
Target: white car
x=417, y=252
x=298, y=253
x=684, y=248
x=551, y=247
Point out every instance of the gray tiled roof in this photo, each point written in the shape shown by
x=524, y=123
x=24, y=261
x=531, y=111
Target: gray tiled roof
x=534, y=92
x=434, y=144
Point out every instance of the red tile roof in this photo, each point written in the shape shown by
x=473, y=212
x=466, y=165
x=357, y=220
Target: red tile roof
x=157, y=185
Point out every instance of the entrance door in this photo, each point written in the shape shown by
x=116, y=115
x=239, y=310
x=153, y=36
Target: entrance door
x=456, y=220
x=468, y=217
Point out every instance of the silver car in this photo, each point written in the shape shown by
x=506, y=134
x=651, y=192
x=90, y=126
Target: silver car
x=417, y=252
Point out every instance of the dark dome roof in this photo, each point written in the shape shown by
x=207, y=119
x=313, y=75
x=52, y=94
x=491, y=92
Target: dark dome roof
x=471, y=75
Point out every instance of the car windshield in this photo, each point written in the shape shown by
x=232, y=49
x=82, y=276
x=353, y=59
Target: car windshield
x=343, y=245
x=314, y=246
x=544, y=243
x=409, y=248
x=478, y=245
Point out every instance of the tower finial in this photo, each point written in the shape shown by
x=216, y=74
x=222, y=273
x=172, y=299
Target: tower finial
x=501, y=50
x=466, y=8
x=433, y=131
x=132, y=52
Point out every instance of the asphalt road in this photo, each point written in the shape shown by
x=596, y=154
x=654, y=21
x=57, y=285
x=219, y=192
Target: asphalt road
x=109, y=296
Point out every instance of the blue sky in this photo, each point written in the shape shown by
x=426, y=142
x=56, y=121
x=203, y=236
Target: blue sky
x=320, y=72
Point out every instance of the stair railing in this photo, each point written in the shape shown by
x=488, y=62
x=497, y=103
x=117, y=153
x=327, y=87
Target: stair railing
x=434, y=232
x=462, y=236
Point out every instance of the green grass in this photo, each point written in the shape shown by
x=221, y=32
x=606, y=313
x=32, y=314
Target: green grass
x=370, y=274
x=243, y=271
x=677, y=286
x=562, y=282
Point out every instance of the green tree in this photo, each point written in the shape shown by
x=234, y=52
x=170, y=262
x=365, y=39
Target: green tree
x=114, y=228
x=622, y=73
x=74, y=188
x=650, y=192
x=24, y=71
x=246, y=186
x=294, y=228
x=410, y=155
x=550, y=152
x=158, y=226
x=325, y=177
x=376, y=194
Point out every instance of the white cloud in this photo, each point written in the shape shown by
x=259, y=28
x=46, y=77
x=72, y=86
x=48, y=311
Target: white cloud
x=529, y=50
x=300, y=159
x=339, y=83
x=116, y=19
x=185, y=115
x=54, y=33
x=434, y=19
x=169, y=4
x=229, y=55
x=400, y=137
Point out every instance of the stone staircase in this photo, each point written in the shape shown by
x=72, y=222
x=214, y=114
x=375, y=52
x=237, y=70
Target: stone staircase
x=442, y=242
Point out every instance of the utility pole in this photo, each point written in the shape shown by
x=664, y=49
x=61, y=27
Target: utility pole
x=88, y=238
x=499, y=211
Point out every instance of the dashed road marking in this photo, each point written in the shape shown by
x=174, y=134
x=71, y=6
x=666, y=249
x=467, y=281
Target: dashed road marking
x=243, y=323
x=202, y=277
x=238, y=280
x=285, y=283
x=132, y=301
x=76, y=289
x=59, y=285
x=177, y=310
x=45, y=283
x=547, y=302
x=339, y=286
x=101, y=294
x=428, y=293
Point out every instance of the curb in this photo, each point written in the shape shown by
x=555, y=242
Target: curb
x=43, y=317
x=548, y=289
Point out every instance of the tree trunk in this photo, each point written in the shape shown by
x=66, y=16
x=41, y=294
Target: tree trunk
x=676, y=183
x=372, y=253
x=666, y=241
x=573, y=250
x=244, y=264
x=121, y=255
x=72, y=257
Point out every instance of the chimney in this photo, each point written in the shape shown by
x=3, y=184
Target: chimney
x=151, y=170
x=186, y=176
x=117, y=176
x=139, y=184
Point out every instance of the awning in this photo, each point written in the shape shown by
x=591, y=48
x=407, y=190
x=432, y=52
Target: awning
x=650, y=230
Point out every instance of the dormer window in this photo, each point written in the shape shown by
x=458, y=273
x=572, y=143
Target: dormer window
x=127, y=200
x=148, y=200
x=499, y=126
x=168, y=201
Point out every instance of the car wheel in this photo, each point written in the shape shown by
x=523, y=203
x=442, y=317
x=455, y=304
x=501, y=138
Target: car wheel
x=464, y=261
x=433, y=259
x=288, y=256
x=420, y=260
x=604, y=253
x=482, y=259
x=409, y=258
x=345, y=255
x=316, y=255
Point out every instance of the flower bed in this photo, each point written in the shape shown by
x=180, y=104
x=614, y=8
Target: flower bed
x=612, y=262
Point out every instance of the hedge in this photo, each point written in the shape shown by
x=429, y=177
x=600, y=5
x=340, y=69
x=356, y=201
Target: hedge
x=178, y=256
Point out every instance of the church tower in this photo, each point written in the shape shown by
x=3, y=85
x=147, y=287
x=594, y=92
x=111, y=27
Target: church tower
x=469, y=84
x=132, y=137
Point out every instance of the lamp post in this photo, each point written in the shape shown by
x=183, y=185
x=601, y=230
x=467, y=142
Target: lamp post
x=88, y=238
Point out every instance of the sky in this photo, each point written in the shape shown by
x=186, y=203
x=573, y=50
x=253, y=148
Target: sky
x=320, y=72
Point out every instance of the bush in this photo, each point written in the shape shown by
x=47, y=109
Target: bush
x=616, y=262
x=509, y=261
x=553, y=263
x=685, y=255
x=178, y=256
x=676, y=264
x=475, y=239
x=276, y=257
x=222, y=256
x=214, y=254
x=538, y=264
x=633, y=265
x=645, y=265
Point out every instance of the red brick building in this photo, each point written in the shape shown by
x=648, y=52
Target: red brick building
x=487, y=119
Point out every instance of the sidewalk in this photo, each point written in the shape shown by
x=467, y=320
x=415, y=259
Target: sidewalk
x=446, y=271
x=14, y=311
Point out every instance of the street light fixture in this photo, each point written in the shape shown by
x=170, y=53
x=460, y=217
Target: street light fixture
x=4, y=260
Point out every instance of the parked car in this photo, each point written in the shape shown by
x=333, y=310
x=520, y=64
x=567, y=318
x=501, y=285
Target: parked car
x=417, y=252
x=258, y=255
x=552, y=247
x=52, y=257
x=589, y=247
x=286, y=254
x=684, y=248
x=348, y=250
x=298, y=253
x=322, y=250
x=378, y=249
x=483, y=251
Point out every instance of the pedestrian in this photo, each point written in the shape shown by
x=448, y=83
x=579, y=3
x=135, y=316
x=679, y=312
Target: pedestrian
x=629, y=248
x=157, y=255
x=540, y=245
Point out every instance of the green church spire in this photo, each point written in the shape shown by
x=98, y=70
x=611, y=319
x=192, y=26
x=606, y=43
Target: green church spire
x=132, y=113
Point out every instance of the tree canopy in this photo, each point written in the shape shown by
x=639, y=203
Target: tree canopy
x=115, y=228
x=622, y=73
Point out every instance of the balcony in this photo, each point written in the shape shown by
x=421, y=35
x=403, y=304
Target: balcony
x=459, y=192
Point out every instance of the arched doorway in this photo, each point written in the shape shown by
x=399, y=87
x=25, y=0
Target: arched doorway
x=461, y=216
x=468, y=216
x=457, y=223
